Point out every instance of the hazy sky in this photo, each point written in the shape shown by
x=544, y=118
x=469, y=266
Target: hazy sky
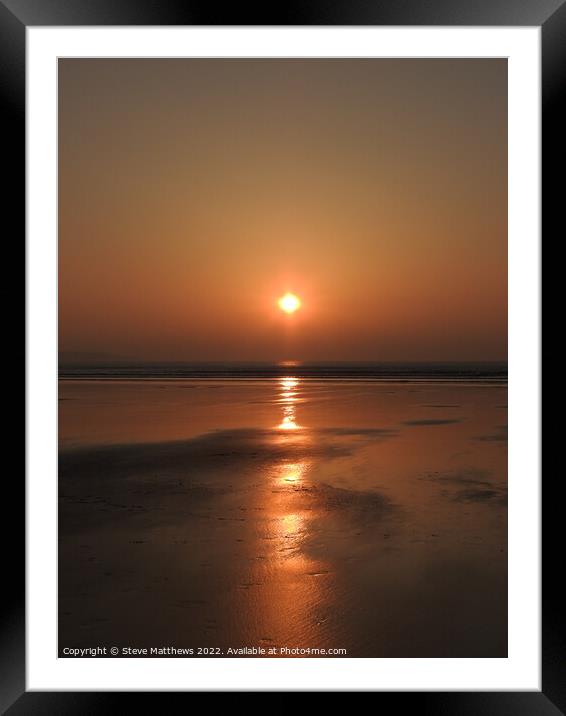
x=194, y=193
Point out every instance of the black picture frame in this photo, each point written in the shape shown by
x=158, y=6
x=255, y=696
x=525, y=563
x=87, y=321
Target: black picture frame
x=15, y=17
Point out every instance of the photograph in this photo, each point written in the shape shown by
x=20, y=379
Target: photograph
x=282, y=357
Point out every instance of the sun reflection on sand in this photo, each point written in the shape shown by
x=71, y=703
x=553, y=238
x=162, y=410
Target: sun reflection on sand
x=291, y=525
x=293, y=472
x=294, y=605
x=291, y=517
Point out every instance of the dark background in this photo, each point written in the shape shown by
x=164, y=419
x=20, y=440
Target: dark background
x=15, y=15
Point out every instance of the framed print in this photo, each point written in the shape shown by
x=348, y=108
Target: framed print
x=283, y=353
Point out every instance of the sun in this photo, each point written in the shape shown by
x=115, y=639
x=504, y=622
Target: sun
x=289, y=303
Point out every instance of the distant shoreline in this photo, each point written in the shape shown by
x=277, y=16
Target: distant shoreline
x=398, y=372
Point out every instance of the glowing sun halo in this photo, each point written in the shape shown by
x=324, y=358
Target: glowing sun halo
x=289, y=303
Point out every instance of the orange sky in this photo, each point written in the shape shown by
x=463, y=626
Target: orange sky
x=194, y=193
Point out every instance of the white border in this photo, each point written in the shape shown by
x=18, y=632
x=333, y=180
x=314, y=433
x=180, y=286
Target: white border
x=521, y=670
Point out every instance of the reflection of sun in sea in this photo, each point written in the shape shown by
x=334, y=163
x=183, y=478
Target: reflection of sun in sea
x=288, y=423
x=287, y=384
x=289, y=303
x=288, y=397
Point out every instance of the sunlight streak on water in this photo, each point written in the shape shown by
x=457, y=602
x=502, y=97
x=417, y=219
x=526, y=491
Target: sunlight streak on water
x=288, y=397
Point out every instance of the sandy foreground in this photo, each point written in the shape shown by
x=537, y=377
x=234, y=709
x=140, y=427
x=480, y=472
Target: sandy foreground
x=283, y=517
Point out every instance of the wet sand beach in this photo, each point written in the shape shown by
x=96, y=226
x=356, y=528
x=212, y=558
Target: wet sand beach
x=369, y=516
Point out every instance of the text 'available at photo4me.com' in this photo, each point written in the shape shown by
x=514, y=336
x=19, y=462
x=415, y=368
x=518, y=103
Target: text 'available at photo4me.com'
x=103, y=651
